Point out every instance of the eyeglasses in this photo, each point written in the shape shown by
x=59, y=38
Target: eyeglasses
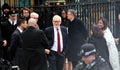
x=35, y=17
x=69, y=14
x=56, y=21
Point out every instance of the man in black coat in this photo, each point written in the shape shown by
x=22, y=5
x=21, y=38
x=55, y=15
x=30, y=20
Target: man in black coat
x=35, y=47
x=91, y=59
x=15, y=45
x=77, y=34
x=7, y=29
x=55, y=58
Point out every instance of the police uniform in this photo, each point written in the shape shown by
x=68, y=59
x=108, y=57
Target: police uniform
x=97, y=64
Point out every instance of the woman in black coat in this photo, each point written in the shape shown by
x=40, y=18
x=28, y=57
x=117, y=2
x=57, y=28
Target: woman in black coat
x=100, y=43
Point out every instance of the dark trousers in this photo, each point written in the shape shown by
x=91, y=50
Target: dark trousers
x=56, y=61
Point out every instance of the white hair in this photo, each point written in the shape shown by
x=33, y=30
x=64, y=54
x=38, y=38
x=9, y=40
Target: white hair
x=56, y=17
x=34, y=14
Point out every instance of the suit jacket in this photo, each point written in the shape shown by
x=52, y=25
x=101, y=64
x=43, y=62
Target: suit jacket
x=34, y=43
x=15, y=42
x=49, y=31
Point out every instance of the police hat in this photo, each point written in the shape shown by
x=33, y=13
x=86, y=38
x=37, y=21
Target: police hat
x=13, y=13
x=87, y=49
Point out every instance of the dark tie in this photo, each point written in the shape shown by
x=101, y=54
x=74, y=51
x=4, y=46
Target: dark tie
x=58, y=38
x=12, y=22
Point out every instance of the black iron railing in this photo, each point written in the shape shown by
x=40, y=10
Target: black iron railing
x=87, y=10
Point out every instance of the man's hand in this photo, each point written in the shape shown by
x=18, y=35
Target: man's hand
x=4, y=43
x=117, y=41
x=47, y=51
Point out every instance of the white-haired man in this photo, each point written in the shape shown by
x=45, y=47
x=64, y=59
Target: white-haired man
x=35, y=47
x=35, y=16
x=57, y=36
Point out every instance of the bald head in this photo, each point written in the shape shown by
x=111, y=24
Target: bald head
x=32, y=22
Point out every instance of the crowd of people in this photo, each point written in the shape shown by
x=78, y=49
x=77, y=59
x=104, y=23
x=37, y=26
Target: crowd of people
x=25, y=44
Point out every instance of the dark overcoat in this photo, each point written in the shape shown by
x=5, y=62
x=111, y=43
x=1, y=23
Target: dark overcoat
x=77, y=35
x=34, y=43
x=101, y=46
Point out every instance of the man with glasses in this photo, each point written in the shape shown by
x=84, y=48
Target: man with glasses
x=25, y=13
x=57, y=37
x=77, y=35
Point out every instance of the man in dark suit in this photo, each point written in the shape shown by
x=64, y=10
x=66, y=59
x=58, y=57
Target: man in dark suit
x=57, y=36
x=35, y=47
x=7, y=29
x=77, y=34
x=15, y=45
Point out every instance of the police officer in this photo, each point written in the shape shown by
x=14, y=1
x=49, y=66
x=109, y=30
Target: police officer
x=91, y=59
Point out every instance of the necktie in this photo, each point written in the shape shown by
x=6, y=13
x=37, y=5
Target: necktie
x=12, y=22
x=58, y=38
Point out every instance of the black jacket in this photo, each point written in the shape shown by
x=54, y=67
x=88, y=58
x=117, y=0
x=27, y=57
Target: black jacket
x=101, y=46
x=77, y=34
x=100, y=64
x=34, y=43
x=15, y=41
x=97, y=64
x=15, y=47
x=49, y=31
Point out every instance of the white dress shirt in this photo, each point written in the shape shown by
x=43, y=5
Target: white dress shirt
x=54, y=47
x=15, y=22
x=20, y=29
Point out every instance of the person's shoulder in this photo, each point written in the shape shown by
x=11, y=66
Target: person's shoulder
x=50, y=28
x=16, y=31
x=63, y=27
x=104, y=65
x=5, y=23
x=78, y=19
